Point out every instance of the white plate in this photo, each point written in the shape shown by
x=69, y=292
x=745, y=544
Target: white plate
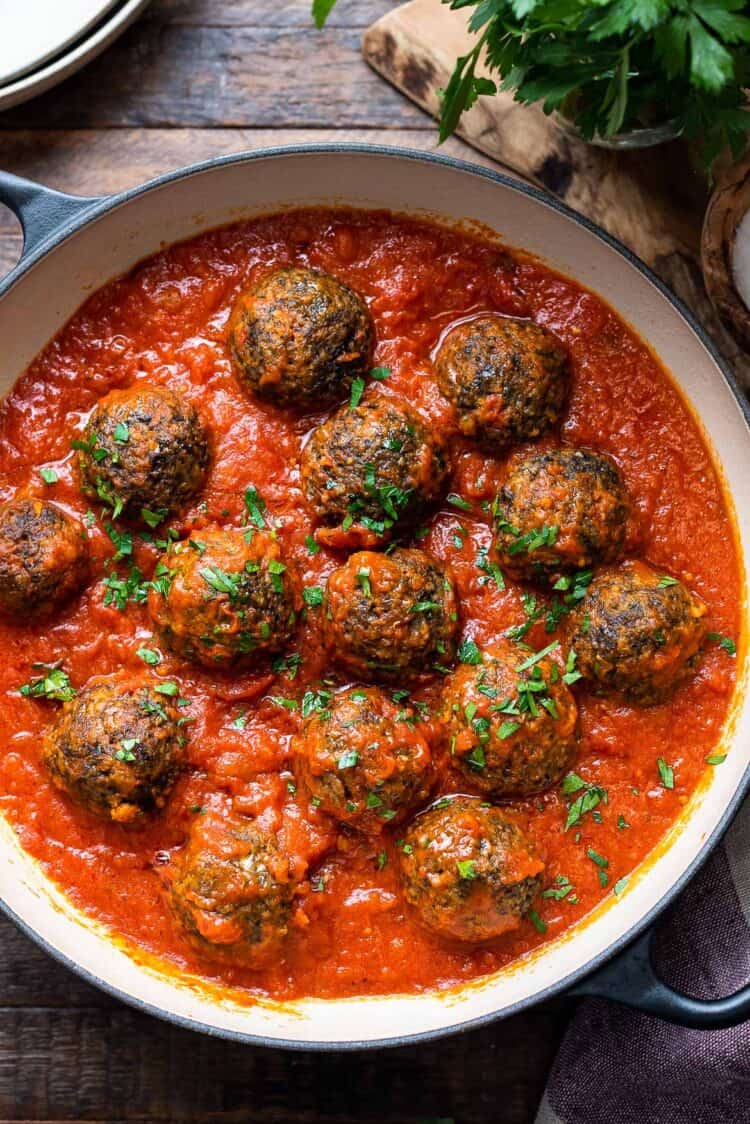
x=82, y=50
x=35, y=30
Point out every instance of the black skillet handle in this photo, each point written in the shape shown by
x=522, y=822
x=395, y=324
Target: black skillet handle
x=41, y=211
x=631, y=979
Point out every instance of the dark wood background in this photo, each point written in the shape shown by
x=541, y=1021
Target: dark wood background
x=194, y=79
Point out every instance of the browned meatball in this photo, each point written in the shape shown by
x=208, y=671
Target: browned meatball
x=43, y=558
x=145, y=453
x=560, y=510
x=468, y=870
x=390, y=616
x=638, y=631
x=363, y=759
x=371, y=470
x=231, y=889
x=300, y=338
x=511, y=723
x=117, y=748
x=507, y=378
x=224, y=597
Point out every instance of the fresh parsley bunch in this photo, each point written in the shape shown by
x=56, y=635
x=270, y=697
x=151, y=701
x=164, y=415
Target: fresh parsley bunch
x=610, y=65
x=614, y=65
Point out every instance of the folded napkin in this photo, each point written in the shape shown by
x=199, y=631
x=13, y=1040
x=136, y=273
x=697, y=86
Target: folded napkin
x=616, y=1066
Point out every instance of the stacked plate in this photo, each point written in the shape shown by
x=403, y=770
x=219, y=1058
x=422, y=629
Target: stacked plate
x=44, y=41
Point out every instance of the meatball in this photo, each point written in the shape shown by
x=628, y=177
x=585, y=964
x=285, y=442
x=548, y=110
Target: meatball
x=43, y=558
x=117, y=748
x=224, y=597
x=560, y=510
x=231, y=889
x=370, y=470
x=507, y=378
x=468, y=870
x=363, y=760
x=144, y=454
x=390, y=616
x=511, y=723
x=300, y=338
x=637, y=631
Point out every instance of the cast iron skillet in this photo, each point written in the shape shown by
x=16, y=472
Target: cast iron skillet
x=625, y=972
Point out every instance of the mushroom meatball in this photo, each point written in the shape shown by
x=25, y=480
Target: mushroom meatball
x=468, y=870
x=43, y=558
x=145, y=453
x=231, y=889
x=560, y=510
x=637, y=631
x=224, y=597
x=300, y=338
x=511, y=722
x=363, y=760
x=507, y=378
x=116, y=749
x=371, y=469
x=390, y=616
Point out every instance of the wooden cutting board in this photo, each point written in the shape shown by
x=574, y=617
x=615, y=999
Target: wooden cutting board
x=653, y=200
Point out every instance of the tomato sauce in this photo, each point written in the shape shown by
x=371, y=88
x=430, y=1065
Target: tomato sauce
x=166, y=323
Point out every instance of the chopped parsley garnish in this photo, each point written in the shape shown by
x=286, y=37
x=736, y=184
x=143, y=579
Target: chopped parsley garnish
x=724, y=642
x=666, y=773
x=48, y=475
x=363, y=577
x=348, y=760
x=289, y=664
x=571, y=675
x=622, y=823
x=466, y=869
x=425, y=606
x=536, y=921
x=381, y=860
x=532, y=540
x=312, y=546
x=149, y=656
x=620, y=885
x=458, y=501
x=122, y=542
x=222, y=582
x=538, y=656
x=490, y=569
x=153, y=518
x=239, y=722
x=121, y=433
x=255, y=506
x=358, y=386
x=52, y=683
x=286, y=704
x=587, y=798
x=601, y=862
x=562, y=887
x=168, y=688
x=313, y=595
x=315, y=702
x=716, y=759
x=468, y=652
x=665, y=581
x=358, y=389
x=276, y=569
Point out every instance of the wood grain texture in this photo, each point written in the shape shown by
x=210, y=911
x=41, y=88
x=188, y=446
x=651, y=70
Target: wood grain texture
x=652, y=200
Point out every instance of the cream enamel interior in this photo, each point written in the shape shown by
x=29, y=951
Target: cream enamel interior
x=43, y=299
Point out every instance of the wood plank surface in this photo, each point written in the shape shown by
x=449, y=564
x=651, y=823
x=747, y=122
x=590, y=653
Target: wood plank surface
x=191, y=80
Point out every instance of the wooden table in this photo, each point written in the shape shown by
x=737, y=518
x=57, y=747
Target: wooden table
x=194, y=79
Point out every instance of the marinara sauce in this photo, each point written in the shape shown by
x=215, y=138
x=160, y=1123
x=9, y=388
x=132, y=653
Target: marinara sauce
x=165, y=323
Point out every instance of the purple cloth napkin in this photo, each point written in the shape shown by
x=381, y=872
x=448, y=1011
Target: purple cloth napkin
x=616, y=1066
